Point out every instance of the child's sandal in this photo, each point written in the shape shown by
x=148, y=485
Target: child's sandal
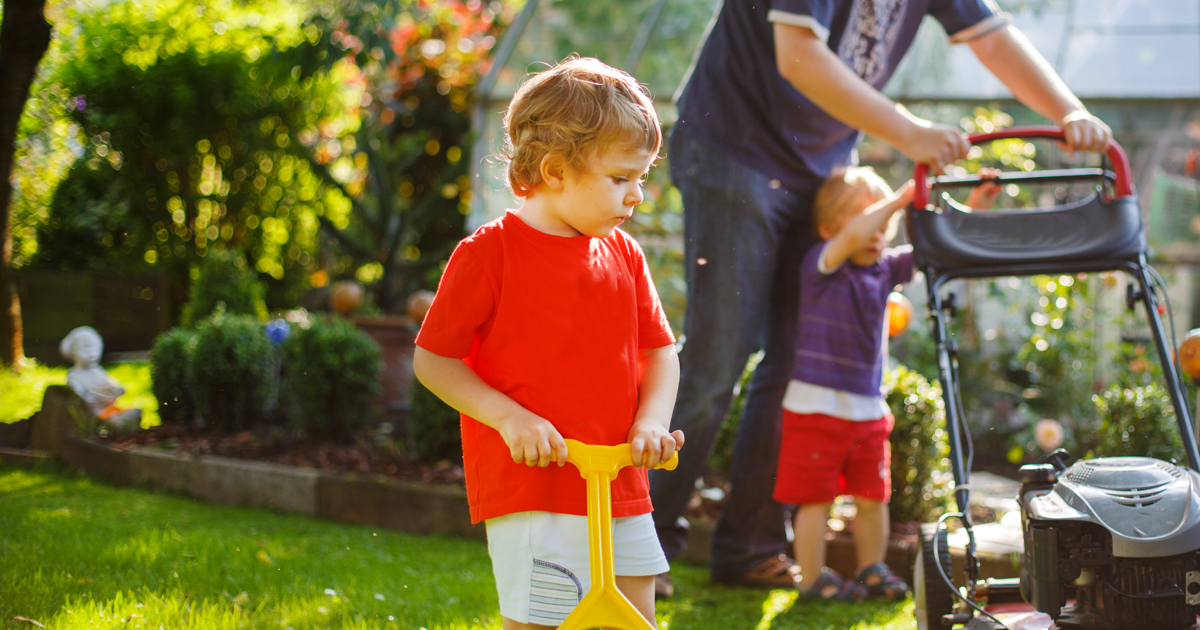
x=843, y=590
x=888, y=586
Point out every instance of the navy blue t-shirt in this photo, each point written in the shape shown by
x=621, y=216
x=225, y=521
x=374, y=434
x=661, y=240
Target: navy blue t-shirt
x=736, y=100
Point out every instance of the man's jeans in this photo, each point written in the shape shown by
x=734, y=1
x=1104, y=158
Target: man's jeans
x=744, y=238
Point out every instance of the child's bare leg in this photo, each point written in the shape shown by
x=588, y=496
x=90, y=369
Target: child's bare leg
x=639, y=590
x=871, y=533
x=809, y=541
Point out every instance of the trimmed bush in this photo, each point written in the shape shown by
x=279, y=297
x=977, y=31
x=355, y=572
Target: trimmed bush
x=434, y=431
x=1137, y=421
x=170, y=359
x=224, y=277
x=921, y=481
x=232, y=368
x=331, y=377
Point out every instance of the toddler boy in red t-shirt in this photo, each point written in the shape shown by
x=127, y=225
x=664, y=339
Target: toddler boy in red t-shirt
x=546, y=326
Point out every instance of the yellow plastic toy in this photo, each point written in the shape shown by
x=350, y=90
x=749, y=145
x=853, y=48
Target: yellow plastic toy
x=603, y=606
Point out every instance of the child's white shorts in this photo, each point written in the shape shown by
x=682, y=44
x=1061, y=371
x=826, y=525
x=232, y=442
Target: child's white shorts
x=541, y=564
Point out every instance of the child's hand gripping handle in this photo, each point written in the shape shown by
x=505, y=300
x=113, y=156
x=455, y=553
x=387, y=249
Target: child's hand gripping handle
x=607, y=459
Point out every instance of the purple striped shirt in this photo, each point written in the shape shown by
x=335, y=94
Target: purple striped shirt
x=840, y=337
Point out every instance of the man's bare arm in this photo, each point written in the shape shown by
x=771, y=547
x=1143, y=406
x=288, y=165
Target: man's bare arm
x=1009, y=55
x=808, y=64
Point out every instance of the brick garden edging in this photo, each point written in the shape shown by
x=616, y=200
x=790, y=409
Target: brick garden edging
x=414, y=507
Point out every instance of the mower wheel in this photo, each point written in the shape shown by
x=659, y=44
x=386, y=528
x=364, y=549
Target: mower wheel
x=933, y=597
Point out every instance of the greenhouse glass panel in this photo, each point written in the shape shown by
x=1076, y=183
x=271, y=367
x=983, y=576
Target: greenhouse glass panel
x=1101, y=48
x=670, y=48
x=1141, y=65
x=1130, y=14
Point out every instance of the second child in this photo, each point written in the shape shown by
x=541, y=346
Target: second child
x=835, y=421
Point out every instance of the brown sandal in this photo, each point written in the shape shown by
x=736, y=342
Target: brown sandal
x=777, y=572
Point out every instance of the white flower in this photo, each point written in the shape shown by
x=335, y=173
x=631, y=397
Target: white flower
x=1048, y=434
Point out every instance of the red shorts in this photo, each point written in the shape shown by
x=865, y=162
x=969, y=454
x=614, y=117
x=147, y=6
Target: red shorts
x=822, y=458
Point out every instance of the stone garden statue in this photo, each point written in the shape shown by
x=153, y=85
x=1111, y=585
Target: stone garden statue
x=97, y=388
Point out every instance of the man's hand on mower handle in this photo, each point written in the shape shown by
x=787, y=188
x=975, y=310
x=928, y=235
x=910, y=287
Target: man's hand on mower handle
x=651, y=444
x=1085, y=132
x=934, y=144
x=532, y=440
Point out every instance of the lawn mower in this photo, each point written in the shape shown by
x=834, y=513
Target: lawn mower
x=1109, y=543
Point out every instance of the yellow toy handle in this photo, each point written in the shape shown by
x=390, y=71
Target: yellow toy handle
x=599, y=458
x=604, y=605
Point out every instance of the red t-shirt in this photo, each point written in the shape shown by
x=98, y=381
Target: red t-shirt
x=557, y=324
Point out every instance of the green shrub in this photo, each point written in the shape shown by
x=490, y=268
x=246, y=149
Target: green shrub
x=433, y=427
x=331, y=377
x=224, y=277
x=231, y=371
x=170, y=359
x=1137, y=421
x=921, y=482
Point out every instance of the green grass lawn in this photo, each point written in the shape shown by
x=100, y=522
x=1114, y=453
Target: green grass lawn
x=21, y=393
x=75, y=553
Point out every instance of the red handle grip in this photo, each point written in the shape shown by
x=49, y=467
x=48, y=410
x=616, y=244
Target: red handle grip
x=1116, y=155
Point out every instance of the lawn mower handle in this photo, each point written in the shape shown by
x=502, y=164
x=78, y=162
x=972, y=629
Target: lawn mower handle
x=1116, y=155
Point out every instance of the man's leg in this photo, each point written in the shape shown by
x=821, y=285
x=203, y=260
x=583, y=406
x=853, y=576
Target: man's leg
x=735, y=223
x=752, y=528
x=728, y=242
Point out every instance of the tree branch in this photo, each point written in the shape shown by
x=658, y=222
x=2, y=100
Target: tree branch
x=24, y=38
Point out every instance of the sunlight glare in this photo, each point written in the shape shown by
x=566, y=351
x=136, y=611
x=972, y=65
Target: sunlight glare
x=777, y=603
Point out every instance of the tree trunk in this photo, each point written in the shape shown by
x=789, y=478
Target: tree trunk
x=24, y=38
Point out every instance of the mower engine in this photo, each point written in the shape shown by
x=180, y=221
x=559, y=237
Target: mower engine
x=1120, y=536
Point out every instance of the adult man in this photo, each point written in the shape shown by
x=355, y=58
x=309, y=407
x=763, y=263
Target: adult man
x=777, y=97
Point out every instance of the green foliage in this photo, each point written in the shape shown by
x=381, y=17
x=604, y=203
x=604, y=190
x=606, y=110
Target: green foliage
x=231, y=371
x=406, y=169
x=139, y=390
x=1137, y=421
x=21, y=391
x=434, y=431
x=170, y=361
x=223, y=277
x=84, y=214
x=331, y=376
x=180, y=117
x=921, y=481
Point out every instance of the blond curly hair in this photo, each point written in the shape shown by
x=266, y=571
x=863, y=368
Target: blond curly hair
x=572, y=109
